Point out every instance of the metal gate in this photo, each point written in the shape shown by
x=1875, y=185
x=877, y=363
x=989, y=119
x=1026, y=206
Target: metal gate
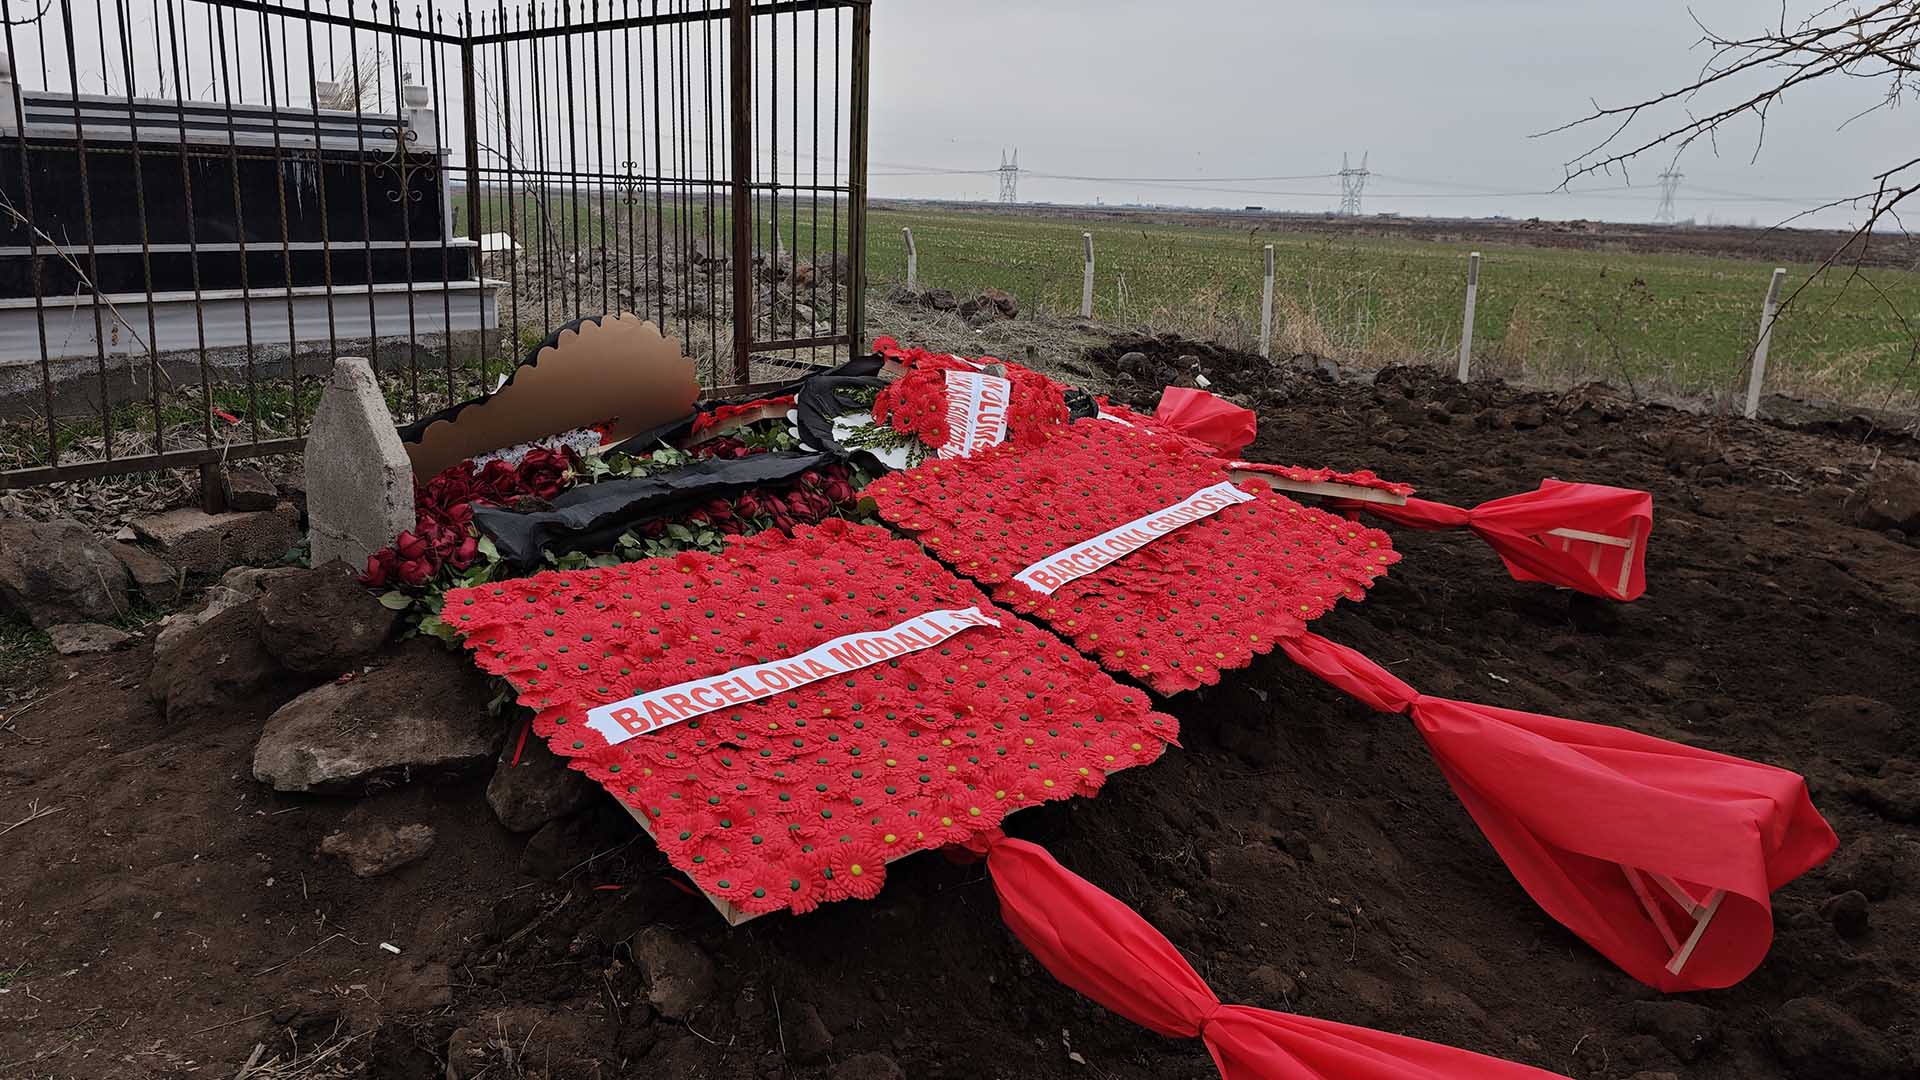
x=203, y=202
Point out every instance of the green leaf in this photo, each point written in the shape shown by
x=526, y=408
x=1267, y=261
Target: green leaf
x=487, y=548
x=395, y=600
x=680, y=532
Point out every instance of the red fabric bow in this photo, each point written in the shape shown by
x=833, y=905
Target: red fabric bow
x=1102, y=948
x=1590, y=818
x=1207, y=417
x=1579, y=536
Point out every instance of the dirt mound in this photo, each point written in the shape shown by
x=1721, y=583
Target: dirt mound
x=1303, y=852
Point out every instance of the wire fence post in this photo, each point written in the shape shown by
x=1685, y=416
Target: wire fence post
x=1466, y=321
x=1086, y=281
x=1758, y=374
x=913, y=261
x=1266, y=310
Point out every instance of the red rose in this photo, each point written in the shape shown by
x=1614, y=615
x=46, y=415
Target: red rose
x=498, y=481
x=415, y=571
x=544, y=473
x=379, y=568
x=464, y=555
x=839, y=491
x=409, y=546
x=718, y=510
x=749, y=505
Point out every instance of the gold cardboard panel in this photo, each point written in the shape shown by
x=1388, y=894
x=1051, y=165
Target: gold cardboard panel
x=617, y=367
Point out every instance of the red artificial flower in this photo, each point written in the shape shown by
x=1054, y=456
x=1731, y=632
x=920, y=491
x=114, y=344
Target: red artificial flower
x=891, y=755
x=916, y=402
x=1173, y=611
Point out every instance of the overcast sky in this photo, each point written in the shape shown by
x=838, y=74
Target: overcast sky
x=1444, y=97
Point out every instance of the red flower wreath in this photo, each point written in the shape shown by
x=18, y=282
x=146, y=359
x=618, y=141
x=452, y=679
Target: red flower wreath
x=916, y=402
x=803, y=796
x=1174, y=613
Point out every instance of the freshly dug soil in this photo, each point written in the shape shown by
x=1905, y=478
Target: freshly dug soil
x=1302, y=851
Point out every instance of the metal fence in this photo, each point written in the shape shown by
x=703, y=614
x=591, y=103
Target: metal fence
x=203, y=202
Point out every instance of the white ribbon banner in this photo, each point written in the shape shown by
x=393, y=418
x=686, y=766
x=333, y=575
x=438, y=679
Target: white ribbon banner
x=976, y=413
x=655, y=709
x=1084, y=558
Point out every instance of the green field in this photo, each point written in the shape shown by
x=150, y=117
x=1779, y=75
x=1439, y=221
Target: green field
x=1676, y=322
x=1684, y=322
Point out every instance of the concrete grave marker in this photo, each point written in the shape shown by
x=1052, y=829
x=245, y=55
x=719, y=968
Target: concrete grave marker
x=359, y=481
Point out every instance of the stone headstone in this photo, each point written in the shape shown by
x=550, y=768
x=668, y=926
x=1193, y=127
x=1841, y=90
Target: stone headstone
x=359, y=480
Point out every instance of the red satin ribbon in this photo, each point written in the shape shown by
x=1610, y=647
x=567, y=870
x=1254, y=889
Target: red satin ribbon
x=1102, y=948
x=1520, y=528
x=1568, y=805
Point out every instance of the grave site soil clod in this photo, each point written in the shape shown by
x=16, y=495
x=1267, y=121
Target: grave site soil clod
x=1301, y=851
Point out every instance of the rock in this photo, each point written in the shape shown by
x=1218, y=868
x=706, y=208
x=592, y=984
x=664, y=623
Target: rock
x=940, y=299
x=1816, y=1041
x=323, y=621
x=241, y=585
x=1848, y=913
x=679, y=977
x=57, y=572
x=1890, y=500
x=74, y=639
x=156, y=582
x=868, y=1067
x=904, y=296
x=1685, y=1029
x=192, y=540
x=422, y=712
x=538, y=789
x=810, y=1039
x=379, y=848
x=249, y=489
x=359, y=480
x=217, y=667
x=1134, y=363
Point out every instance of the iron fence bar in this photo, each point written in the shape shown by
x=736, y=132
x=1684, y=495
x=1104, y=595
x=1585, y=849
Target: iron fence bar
x=857, y=179
x=641, y=22
x=33, y=237
x=327, y=17
x=320, y=185
x=180, y=75
x=86, y=215
x=140, y=211
x=740, y=47
x=286, y=249
x=817, y=341
x=171, y=459
x=239, y=218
